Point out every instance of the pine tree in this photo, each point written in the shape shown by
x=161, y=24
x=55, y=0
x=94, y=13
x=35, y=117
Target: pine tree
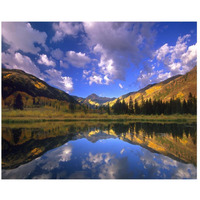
x=116, y=107
x=137, y=108
x=108, y=109
x=130, y=106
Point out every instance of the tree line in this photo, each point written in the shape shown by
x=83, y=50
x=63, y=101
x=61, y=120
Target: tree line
x=156, y=107
x=146, y=107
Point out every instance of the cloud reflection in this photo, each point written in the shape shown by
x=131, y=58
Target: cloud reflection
x=47, y=163
x=53, y=158
x=106, y=166
x=160, y=166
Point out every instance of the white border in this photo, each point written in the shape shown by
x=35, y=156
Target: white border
x=103, y=10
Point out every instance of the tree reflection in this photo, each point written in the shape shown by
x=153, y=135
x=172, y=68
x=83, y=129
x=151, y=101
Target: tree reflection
x=25, y=142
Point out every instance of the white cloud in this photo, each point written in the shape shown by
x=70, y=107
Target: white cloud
x=62, y=29
x=86, y=73
x=163, y=76
x=63, y=64
x=190, y=56
x=145, y=78
x=57, y=54
x=68, y=83
x=21, y=36
x=19, y=61
x=77, y=59
x=107, y=80
x=120, y=85
x=62, y=82
x=179, y=58
x=162, y=52
x=118, y=45
x=44, y=60
x=95, y=79
x=180, y=47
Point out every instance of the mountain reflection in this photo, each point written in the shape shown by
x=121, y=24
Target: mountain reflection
x=27, y=143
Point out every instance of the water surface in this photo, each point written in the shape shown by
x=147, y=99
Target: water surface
x=92, y=150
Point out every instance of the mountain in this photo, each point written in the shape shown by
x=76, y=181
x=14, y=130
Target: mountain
x=175, y=87
x=17, y=81
x=93, y=100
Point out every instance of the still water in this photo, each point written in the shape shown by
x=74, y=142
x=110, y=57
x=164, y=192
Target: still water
x=92, y=150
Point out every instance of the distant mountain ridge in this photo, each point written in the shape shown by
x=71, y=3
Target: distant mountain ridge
x=93, y=100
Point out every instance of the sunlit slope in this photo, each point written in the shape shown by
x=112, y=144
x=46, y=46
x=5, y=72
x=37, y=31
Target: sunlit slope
x=34, y=92
x=175, y=87
x=14, y=81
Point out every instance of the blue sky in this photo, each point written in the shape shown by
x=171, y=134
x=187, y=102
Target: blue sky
x=106, y=58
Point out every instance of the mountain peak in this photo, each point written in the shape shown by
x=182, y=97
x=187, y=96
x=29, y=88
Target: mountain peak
x=93, y=96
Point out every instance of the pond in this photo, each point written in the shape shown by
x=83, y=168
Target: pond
x=99, y=150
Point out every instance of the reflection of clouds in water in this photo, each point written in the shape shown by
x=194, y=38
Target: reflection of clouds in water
x=122, y=151
x=48, y=162
x=105, y=165
x=53, y=158
x=43, y=176
x=21, y=172
x=161, y=166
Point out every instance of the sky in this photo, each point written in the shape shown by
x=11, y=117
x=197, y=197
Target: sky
x=106, y=58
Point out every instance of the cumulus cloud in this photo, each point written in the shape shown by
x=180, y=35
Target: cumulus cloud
x=95, y=79
x=145, y=76
x=62, y=29
x=77, y=59
x=107, y=80
x=189, y=58
x=63, y=64
x=118, y=45
x=162, y=52
x=21, y=36
x=57, y=54
x=44, y=60
x=163, y=76
x=19, y=61
x=62, y=82
x=177, y=59
x=86, y=73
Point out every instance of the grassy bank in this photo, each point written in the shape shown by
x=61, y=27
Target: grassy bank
x=43, y=114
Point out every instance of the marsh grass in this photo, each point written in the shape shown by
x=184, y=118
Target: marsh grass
x=46, y=114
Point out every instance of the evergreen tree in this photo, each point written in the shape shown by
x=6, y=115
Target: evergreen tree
x=18, y=104
x=184, y=107
x=137, y=108
x=108, y=109
x=130, y=106
x=116, y=107
x=124, y=107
